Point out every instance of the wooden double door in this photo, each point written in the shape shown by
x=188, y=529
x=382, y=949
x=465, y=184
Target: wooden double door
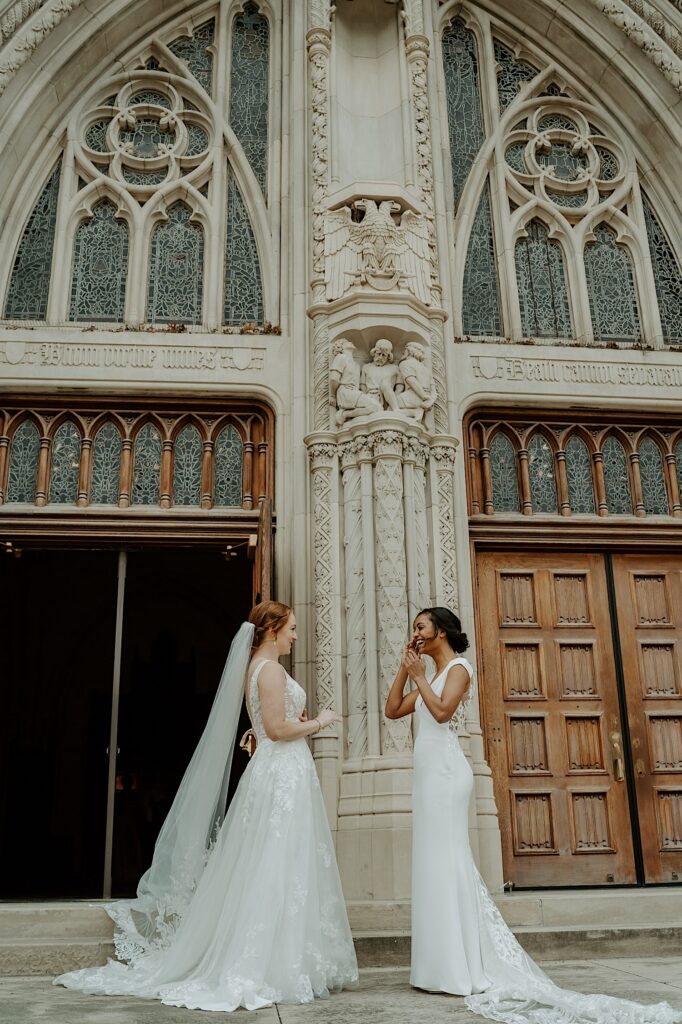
x=581, y=682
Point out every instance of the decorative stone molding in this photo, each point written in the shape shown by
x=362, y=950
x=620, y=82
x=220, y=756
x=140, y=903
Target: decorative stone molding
x=413, y=16
x=23, y=42
x=14, y=18
x=319, y=46
x=322, y=460
x=636, y=28
x=442, y=467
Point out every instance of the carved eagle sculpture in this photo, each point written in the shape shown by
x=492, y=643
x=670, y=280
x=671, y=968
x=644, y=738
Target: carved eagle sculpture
x=376, y=251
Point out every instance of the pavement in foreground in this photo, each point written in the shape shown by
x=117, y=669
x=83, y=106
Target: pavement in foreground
x=384, y=997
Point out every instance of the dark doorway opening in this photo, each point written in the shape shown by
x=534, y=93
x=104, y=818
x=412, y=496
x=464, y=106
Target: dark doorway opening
x=181, y=608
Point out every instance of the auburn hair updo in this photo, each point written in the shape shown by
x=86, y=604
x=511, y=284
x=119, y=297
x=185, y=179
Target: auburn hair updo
x=443, y=618
x=266, y=616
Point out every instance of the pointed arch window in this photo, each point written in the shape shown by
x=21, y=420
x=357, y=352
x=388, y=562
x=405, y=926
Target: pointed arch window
x=29, y=286
x=196, y=52
x=249, y=88
x=541, y=474
x=106, y=465
x=503, y=474
x=667, y=276
x=463, y=97
x=176, y=269
x=616, y=478
x=541, y=277
x=23, y=463
x=481, y=300
x=229, y=455
x=66, y=456
x=579, y=474
x=147, y=466
x=243, y=295
x=187, y=467
x=100, y=266
x=652, y=478
x=611, y=288
x=512, y=73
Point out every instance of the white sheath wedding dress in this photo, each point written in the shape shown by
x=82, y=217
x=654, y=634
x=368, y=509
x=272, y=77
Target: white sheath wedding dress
x=460, y=942
x=267, y=922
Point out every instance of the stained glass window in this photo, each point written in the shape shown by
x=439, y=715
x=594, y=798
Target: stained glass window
x=543, y=294
x=569, y=200
x=556, y=122
x=198, y=140
x=579, y=473
x=666, y=275
x=481, y=301
x=106, y=466
x=611, y=288
x=503, y=474
x=187, y=467
x=651, y=475
x=243, y=301
x=30, y=282
x=608, y=164
x=149, y=97
x=515, y=157
x=96, y=137
x=561, y=162
x=511, y=74
x=463, y=97
x=249, y=88
x=176, y=269
x=23, y=463
x=616, y=478
x=66, y=458
x=147, y=466
x=147, y=137
x=196, y=54
x=100, y=266
x=541, y=474
x=136, y=176
x=228, y=457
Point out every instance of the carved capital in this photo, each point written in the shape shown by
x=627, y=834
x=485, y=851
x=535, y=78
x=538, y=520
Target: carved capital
x=321, y=452
x=417, y=48
x=319, y=41
x=444, y=455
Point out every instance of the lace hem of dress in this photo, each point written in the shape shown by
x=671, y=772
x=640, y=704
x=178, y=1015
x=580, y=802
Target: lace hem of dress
x=521, y=993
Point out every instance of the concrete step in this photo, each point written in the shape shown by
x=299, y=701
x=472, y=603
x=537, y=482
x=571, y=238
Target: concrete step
x=51, y=938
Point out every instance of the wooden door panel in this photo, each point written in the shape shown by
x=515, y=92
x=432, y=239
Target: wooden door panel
x=552, y=721
x=649, y=606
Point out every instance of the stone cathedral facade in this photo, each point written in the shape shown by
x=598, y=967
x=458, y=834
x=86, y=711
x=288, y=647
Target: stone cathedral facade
x=394, y=289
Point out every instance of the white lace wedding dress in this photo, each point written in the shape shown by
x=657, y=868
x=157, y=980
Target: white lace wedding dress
x=267, y=922
x=460, y=942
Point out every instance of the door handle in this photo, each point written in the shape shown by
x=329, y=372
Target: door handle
x=617, y=754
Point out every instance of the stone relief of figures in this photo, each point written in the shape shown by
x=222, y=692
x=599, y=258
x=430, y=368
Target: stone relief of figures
x=360, y=389
x=385, y=249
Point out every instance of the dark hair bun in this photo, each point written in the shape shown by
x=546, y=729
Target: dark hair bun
x=444, y=619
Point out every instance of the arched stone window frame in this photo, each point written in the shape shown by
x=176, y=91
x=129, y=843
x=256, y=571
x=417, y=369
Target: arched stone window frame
x=75, y=204
x=490, y=164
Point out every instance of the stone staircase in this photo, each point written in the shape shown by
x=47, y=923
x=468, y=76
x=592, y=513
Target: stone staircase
x=49, y=938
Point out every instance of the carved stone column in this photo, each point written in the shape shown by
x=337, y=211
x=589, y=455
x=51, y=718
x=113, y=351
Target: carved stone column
x=443, y=557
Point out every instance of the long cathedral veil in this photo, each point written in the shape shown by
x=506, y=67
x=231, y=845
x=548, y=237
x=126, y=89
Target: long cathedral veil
x=164, y=892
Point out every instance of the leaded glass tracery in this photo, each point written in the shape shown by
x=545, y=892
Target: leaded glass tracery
x=243, y=294
x=149, y=98
x=543, y=295
x=569, y=200
x=481, y=302
x=463, y=97
x=609, y=167
x=195, y=52
x=96, y=137
x=23, y=462
x=556, y=122
x=541, y=474
x=136, y=176
x=147, y=139
x=198, y=140
x=100, y=266
x=616, y=478
x=229, y=453
x=187, y=467
x=66, y=455
x=106, y=466
x=651, y=475
x=515, y=157
x=147, y=466
x=503, y=474
x=511, y=74
x=249, y=88
x=29, y=285
x=611, y=288
x=562, y=161
x=176, y=269
x=667, y=276
x=579, y=473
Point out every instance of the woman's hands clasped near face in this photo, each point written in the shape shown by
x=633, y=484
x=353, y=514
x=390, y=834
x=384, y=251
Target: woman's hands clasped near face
x=413, y=664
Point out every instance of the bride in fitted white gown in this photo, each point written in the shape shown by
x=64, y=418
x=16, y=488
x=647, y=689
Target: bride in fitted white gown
x=460, y=942
x=254, y=914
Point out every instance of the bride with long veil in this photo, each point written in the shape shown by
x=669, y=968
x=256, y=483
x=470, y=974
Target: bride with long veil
x=460, y=942
x=245, y=911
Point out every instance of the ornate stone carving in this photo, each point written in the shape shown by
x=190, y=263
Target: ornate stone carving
x=322, y=458
x=443, y=456
x=385, y=249
x=321, y=373
x=417, y=50
x=356, y=654
x=413, y=16
x=344, y=384
x=23, y=43
x=379, y=385
x=319, y=45
x=643, y=36
x=16, y=16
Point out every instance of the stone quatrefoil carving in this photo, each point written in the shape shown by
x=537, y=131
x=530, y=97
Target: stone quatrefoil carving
x=356, y=389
